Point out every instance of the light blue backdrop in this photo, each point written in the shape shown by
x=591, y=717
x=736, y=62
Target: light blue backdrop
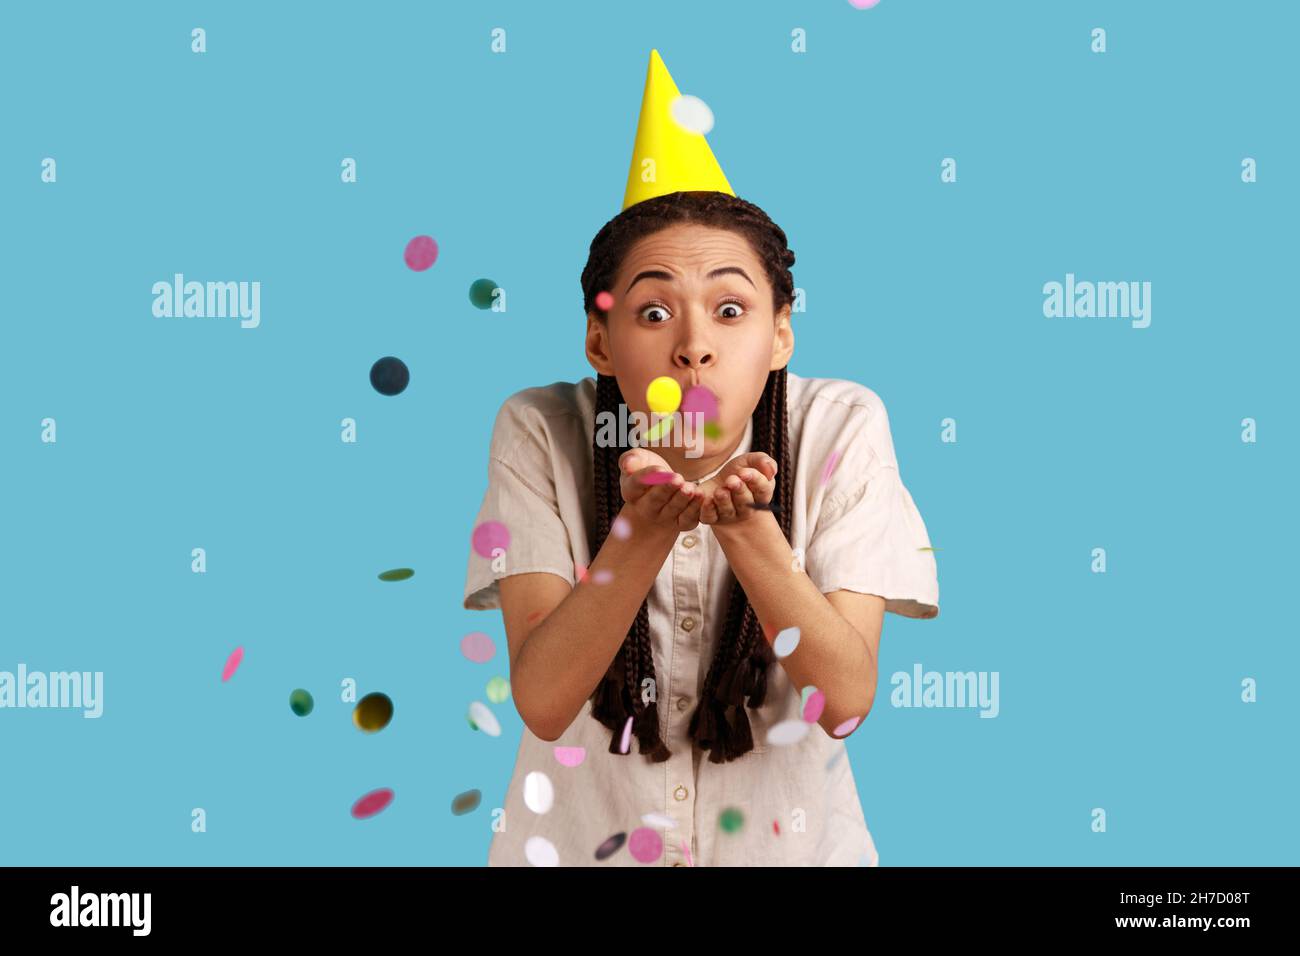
x=1119, y=690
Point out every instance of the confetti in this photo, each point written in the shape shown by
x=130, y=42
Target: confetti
x=731, y=820
x=372, y=803
x=621, y=528
x=484, y=719
x=300, y=702
x=699, y=399
x=847, y=727
x=657, y=431
x=663, y=395
x=539, y=794
x=373, y=712
x=776, y=828
x=482, y=292
x=786, y=641
x=787, y=732
x=466, y=802
x=692, y=114
x=813, y=705
x=498, y=690
x=687, y=850
x=603, y=576
x=604, y=301
x=541, y=852
x=712, y=431
x=610, y=846
x=232, y=664
x=645, y=845
x=390, y=376
x=831, y=461
x=929, y=549
x=659, y=820
x=489, y=536
x=863, y=4
x=579, y=571
x=627, y=737
x=657, y=478
x=477, y=647
x=421, y=252
x=397, y=574
x=570, y=756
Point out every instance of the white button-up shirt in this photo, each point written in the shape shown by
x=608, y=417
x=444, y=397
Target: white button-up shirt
x=856, y=527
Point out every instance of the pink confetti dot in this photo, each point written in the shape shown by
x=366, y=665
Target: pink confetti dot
x=579, y=571
x=489, y=536
x=687, y=850
x=604, y=301
x=846, y=727
x=627, y=737
x=232, y=663
x=700, y=398
x=863, y=4
x=372, y=803
x=570, y=756
x=478, y=647
x=645, y=845
x=657, y=478
x=621, y=528
x=603, y=576
x=421, y=252
x=812, y=710
x=830, y=466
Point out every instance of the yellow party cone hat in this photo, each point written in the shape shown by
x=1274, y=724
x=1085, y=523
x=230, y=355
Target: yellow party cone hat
x=667, y=157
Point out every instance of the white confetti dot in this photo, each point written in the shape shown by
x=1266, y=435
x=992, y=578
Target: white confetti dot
x=692, y=113
x=485, y=719
x=659, y=820
x=541, y=852
x=539, y=794
x=786, y=641
x=621, y=528
x=788, y=732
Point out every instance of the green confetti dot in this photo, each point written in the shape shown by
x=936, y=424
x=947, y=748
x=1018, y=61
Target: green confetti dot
x=466, y=802
x=397, y=574
x=472, y=725
x=498, y=690
x=480, y=293
x=300, y=702
x=712, y=431
x=731, y=820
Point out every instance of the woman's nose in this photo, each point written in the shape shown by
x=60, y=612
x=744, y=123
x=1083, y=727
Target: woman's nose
x=689, y=357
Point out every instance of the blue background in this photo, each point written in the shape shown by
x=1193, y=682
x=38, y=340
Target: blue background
x=1119, y=690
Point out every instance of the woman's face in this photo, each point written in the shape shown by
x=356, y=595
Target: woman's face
x=693, y=303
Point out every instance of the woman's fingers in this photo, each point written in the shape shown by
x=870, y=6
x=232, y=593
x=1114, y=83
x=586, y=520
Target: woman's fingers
x=679, y=502
x=722, y=501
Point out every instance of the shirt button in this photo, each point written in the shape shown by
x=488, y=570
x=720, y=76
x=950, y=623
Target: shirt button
x=680, y=793
x=689, y=540
x=688, y=624
x=682, y=703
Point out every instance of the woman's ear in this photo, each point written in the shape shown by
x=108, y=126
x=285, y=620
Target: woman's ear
x=598, y=353
x=782, y=340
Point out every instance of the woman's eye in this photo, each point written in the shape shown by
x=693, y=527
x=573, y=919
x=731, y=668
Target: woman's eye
x=650, y=309
x=737, y=306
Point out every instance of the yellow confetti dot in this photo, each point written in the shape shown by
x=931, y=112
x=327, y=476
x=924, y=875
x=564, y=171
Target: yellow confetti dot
x=664, y=395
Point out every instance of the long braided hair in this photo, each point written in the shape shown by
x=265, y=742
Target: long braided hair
x=743, y=653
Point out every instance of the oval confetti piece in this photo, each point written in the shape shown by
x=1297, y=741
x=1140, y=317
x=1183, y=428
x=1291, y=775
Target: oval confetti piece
x=541, y=852
x=831, y=461
x=847, y=727
x=603, y=576
x=621, y=528
x=390, y=376
x=813, y=706
x=498, y=690
x=477, y=647
x=663, y=395
x=570, y=756
x=232, y=663
x=373, y=712
x=489, y=536
x=657, y=431
x=610, y=846
x=421, y=252
x=604, y=301
x=659, y=820
x=539, y=794
x=700, y=399
x=687, y=850
x=372, y=803
x=645, y=845
x=786, y=641
x=397, y=574
x=731, y=820
x=300, y=702
x=482, y=293
x=863, y=4
x=787, y=732
x=692, y=114
x=466, y=802
x=485, y=719
x=657, y=478
x=627, y=737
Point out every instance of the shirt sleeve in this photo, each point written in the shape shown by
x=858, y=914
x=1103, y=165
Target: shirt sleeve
x=869, y=537
x=520, y=496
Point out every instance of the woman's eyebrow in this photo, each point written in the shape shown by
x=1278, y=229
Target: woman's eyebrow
x=660, y=274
